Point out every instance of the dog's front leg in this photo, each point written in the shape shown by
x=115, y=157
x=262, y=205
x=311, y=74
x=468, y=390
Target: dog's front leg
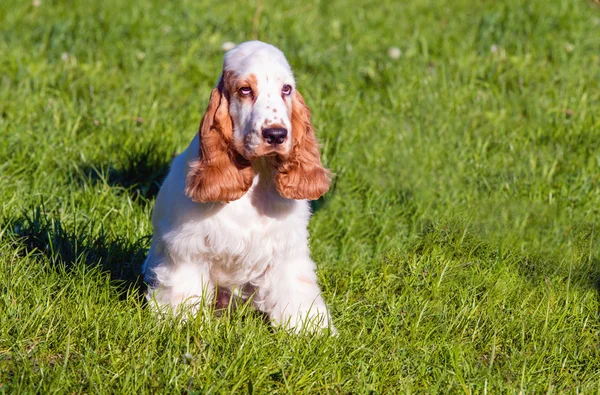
x=178, y=285
x=289, y=293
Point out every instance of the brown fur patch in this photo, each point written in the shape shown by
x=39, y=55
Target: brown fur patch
x=305, y=280
x=301, y=175
x=220, y=174
x=249, y=81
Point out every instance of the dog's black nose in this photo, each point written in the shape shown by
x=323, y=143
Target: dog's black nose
x=274, y=136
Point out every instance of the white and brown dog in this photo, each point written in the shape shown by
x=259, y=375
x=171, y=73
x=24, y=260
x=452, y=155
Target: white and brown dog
x=232, y=214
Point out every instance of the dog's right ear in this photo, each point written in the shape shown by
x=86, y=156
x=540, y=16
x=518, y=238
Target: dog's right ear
x=220, y=174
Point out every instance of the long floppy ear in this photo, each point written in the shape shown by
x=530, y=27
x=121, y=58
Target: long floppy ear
x=301, y=175
x=220, y=174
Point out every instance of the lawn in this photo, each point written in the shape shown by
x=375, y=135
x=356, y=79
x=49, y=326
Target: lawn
x=458, y=248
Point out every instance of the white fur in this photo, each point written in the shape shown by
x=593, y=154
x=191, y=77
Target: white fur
x=258, y=244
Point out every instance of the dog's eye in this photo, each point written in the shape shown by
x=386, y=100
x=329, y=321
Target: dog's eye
x=245, y=91
x=286, y=90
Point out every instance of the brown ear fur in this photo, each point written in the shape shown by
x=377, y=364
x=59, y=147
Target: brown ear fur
x=220, y=174
x=301, y=175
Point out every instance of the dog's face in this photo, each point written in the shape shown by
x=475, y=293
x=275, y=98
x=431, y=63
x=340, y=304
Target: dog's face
x=261, y=88
x=256, y=111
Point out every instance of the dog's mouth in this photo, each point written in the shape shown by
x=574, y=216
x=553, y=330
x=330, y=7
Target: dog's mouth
x=265, y=151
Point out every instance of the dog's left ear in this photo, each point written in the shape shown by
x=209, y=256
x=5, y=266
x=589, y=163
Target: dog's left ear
x=301, y=175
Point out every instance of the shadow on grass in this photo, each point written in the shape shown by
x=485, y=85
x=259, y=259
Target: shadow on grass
x=140, y=172
x=41, y=235
x=316, y=205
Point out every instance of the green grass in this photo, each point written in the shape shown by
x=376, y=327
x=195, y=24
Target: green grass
x=459, y=248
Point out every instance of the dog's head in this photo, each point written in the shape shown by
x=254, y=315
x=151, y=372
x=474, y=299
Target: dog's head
x=254, y=112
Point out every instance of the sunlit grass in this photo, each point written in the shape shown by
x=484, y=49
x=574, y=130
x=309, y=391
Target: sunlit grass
x=458, y=248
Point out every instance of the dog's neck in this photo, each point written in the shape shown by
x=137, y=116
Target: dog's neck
x=264, y=194
x=264, y=176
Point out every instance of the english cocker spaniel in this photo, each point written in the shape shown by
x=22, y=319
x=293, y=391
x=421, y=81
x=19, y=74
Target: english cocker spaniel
x=231, y=217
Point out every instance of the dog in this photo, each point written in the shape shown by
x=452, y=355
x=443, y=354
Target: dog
x=231, y=216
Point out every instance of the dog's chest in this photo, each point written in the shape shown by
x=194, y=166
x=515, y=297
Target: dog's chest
x=242, y=241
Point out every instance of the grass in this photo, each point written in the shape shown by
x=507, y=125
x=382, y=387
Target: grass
x=458, y=249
